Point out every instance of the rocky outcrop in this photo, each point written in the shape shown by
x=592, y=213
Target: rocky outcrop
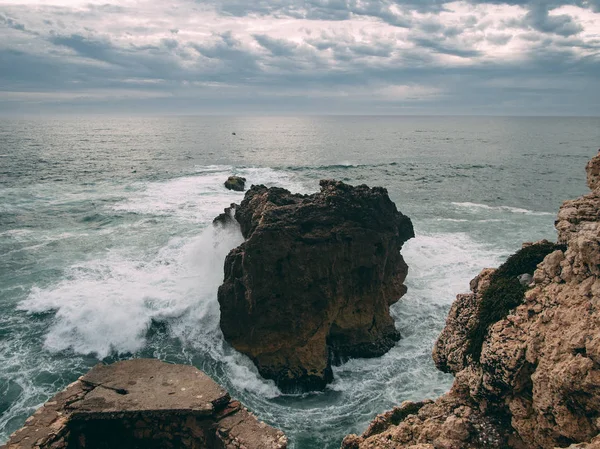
x=144, y=403
x=313, y=282
x=535, y=380
x=236, y=183
x=227, y=218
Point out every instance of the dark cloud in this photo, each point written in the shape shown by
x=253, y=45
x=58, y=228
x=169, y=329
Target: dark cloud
x=382, y=51
x=21, y=70
x=11, y=23
x=342, y=9
x=594, y=5
x=88, y=48
x=445, y=48
x=230, y=59
x=539, y=19
x=277, y=47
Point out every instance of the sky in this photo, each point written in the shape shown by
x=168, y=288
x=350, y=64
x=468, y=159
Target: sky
x=478, y=57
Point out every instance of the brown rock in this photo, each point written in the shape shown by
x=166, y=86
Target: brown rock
x=144, y=403
x=592, y=170
x=314, y=280
x=451, y=352
x=536, y=384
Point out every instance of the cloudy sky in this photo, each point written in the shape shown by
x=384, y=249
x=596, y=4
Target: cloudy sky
x=513, y=57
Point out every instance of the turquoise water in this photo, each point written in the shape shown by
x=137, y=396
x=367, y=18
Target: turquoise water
x=107, y=251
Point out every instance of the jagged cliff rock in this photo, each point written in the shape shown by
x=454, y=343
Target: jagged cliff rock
x=314, y=279
x=534, y=382
x=144, y=403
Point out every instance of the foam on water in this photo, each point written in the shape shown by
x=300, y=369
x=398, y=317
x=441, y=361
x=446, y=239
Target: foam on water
x=201, y=197
x=446, y=262
x=441, y=266
x=107, y=304
x=515, y=210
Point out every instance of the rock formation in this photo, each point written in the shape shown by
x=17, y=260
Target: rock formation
x=313, y=282
x=144, y=403
x=236, y=183
x=533, y=381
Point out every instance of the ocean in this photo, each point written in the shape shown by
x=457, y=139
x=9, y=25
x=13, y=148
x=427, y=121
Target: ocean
x=108, y=251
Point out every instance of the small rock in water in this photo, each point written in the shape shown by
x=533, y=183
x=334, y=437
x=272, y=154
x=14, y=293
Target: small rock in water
x=236, y=183
x=525, y=279
x=233, y=134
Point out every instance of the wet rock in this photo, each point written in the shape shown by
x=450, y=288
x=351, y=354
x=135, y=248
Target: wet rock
x=227, y=218
x=313, y=282
x=236, y=183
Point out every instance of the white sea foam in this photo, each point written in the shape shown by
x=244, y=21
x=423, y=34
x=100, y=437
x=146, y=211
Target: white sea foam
x=514, y=210
x=212, y=168
x=107, y=304
x=440, y=266
x=201, y=197
x=278, y=178
x=16, y=233
x=464, y=220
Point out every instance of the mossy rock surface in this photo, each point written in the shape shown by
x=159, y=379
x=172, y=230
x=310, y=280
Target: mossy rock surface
x=505, y=291
x=236, y=183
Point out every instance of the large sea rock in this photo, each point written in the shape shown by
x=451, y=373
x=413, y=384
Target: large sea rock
x=313, y=282
x=527, y=375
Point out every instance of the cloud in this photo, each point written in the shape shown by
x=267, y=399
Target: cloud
x=88, y=48
x=277, y=47
x=442, y=47
x=11, y=23
x=363, y=55
x=540, y=19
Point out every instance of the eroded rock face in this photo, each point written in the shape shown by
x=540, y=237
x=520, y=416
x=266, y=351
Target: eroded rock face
x=537, y=381
x=314, y=280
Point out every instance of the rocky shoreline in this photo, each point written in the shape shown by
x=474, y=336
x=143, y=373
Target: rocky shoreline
x=525, y=356
x=535, y=380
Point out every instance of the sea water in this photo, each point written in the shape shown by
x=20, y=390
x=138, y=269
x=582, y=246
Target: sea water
x=108, y=253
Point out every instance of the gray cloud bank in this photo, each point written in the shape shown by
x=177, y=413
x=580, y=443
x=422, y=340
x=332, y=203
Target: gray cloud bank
x=293, y=56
